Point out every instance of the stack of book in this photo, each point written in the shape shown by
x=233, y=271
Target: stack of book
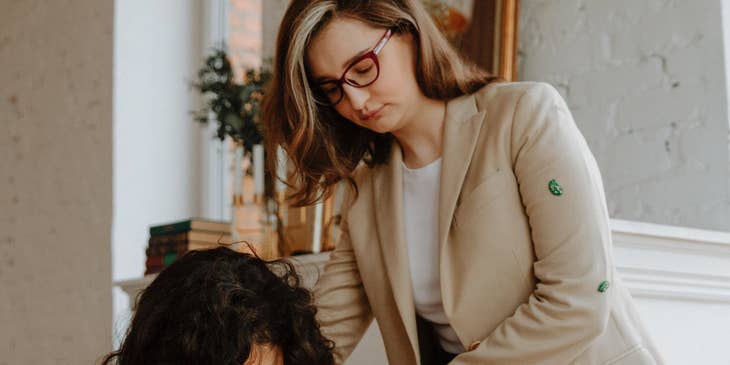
x=169, y=241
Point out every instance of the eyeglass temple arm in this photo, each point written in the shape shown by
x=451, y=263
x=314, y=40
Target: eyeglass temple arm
x=380, y=44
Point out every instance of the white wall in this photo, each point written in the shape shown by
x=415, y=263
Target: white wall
x=646, y=82
x=157, y=146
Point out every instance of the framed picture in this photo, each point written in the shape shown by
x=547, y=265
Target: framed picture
x=485, y=31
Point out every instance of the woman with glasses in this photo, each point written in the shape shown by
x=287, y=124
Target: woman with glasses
x=475, y=228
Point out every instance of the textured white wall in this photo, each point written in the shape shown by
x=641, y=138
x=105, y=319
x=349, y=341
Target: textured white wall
x=157, y=146
x=646, y=81
x=55, y=181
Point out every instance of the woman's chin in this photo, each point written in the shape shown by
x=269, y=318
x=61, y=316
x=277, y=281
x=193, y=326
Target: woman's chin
x=380, y=129
x=378, y=125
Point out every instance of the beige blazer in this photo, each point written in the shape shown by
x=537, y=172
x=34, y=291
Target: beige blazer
x=527, y=273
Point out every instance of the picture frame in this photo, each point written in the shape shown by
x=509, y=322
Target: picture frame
x=491, y=38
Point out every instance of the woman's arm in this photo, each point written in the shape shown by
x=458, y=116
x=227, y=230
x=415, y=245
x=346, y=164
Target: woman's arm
x=343, y=310
x=571, y=237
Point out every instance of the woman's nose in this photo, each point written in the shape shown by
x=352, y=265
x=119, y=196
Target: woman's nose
x=357, y=96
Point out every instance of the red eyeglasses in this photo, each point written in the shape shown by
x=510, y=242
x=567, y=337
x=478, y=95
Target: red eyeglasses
x=360, y=73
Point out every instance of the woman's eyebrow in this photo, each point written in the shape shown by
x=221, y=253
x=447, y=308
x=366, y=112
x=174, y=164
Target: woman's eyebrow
x=344, y=65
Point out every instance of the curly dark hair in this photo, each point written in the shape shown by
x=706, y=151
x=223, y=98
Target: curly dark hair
x=212, y=306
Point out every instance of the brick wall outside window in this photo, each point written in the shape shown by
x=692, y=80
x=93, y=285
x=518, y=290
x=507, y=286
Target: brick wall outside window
x=244, y=34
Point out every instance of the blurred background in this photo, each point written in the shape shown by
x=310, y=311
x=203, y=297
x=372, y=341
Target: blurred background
x=98, y=142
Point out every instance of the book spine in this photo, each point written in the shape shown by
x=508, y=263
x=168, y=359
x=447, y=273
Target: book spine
x=173, y=237
x=156, y=263
x=153, y=261
x=210, y=226
x=170, y=228
x=153, y=269
x=163, y=248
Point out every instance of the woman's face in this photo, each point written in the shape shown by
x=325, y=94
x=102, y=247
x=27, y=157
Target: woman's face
x=264, y=355
x=386, y=105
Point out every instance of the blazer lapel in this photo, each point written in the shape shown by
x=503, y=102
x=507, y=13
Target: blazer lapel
x=388, y=200
x=461, y=130
x=460, y=135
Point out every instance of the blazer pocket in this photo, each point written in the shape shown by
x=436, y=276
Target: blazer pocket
x=474, y=203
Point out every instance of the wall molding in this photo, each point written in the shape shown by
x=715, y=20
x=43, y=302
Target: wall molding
x=669, y=238
x=668, y=285
x=672, y=263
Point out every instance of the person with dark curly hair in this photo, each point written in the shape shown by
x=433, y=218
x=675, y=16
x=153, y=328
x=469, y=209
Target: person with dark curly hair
x=223, y=307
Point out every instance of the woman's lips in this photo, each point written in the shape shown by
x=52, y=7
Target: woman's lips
x=372, y=115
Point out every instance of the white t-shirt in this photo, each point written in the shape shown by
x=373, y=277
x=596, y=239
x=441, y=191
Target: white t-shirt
x=420, y=210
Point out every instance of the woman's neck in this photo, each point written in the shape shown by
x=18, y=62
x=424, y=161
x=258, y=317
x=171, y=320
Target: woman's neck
x=421, y=138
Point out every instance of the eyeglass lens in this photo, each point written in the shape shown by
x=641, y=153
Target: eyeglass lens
x=360, y=74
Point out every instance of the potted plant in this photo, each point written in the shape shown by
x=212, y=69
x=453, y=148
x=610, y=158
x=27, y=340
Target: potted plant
x=236, y=108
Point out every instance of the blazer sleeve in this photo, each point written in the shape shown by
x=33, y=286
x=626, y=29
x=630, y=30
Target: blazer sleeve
x=343, y=310
x=569, y=307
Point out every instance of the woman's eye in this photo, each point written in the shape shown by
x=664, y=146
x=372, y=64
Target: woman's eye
x=328, y=87
x=363, y=70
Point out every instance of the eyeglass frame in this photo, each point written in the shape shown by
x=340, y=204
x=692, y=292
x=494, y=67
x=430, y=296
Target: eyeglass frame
x=373, y=55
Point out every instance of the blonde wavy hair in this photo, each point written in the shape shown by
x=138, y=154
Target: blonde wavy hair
x=323, y=146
